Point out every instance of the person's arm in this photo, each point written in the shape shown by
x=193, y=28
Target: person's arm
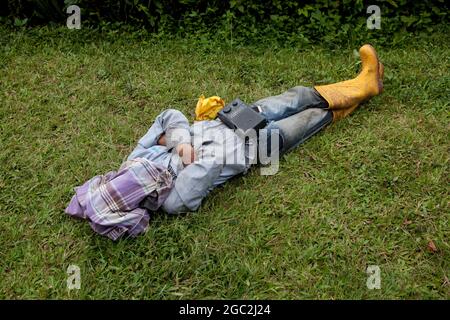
x=171, y=127
x=184, y=150
x=192, y=186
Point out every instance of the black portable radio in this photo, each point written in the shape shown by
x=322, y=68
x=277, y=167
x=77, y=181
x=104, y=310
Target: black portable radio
x=237, y=115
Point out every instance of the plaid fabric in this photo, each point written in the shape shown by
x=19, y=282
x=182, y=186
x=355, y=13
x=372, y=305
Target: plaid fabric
x=110, y=202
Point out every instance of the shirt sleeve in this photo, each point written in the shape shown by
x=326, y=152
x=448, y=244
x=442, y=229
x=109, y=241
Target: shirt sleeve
x=173, y=203
x=171, y=122
x=192, y=185
x=176, y=127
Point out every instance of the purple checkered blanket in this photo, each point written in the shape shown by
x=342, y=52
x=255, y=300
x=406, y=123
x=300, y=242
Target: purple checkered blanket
x=110, y=202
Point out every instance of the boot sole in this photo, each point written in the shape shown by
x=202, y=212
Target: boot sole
x=380, y=77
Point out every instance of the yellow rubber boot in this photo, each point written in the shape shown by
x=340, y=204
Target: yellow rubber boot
x=344, y=97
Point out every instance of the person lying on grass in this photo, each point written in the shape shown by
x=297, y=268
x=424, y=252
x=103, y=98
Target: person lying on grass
x=175, y=165
x=295, y=115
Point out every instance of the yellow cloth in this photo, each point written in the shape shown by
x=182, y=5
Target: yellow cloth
x=207, y=108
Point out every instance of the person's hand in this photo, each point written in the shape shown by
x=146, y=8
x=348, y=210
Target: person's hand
x=186, y=153
x=162, y=140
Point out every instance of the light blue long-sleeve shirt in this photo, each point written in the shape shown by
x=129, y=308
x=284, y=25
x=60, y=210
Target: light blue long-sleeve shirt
x=293, y=116
x=220, y=153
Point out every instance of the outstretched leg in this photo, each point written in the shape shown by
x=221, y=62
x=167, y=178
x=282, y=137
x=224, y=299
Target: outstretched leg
x=301, y=112
x=294, y=116
x=296, y=129
x=292, y=101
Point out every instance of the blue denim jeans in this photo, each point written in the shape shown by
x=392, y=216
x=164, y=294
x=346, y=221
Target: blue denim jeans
x=298, y=114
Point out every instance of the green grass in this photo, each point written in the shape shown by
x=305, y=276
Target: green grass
x=371, y=189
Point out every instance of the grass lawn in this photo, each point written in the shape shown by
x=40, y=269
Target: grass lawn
x=371, y=189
